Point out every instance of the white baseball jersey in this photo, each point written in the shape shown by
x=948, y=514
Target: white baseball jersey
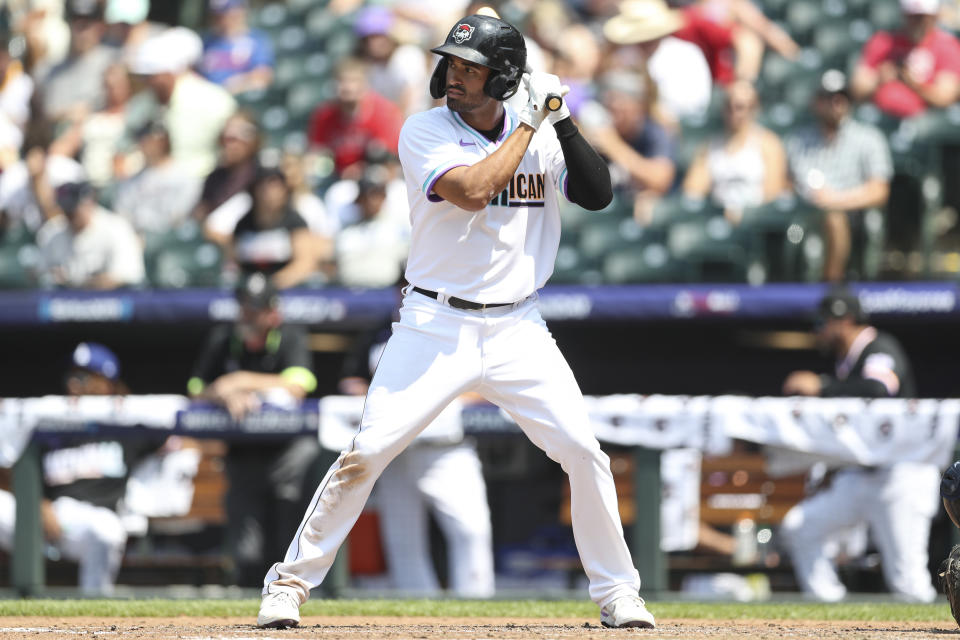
x=502, y=253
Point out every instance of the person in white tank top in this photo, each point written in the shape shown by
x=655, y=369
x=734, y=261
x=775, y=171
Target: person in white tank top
x=745, y=166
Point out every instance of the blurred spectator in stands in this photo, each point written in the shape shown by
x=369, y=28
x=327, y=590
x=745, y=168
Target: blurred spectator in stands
x=906, y=71
x=239, y=144
x=236, y=57
x=98, y=138
x=398, y=70
x=127, y=26
x=27, y=187
x=16, y=91
x=355, y=118
x=84, y=481
x=841, y=166
x=259, y=359
x=77, y=82
x=744, y=167
x=639, y=149
x=898, y=501
x=340, y=197
x=162, y=194
x=86, y=246
x=645, y=28
x=371, y=252
x=323, y=225
x=193, y=110
x=271, y=237
x=733, y=35
x=45, y=32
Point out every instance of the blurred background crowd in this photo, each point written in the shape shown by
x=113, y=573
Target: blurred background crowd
x=187, y=143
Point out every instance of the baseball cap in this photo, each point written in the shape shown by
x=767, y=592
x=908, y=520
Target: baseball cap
x=257, y=291
x=373, y=21
x=70, y=194
x=220, y=6
x=97, y=358
x=91, y=9
x=925, y=7
x=840, y=303
x=832, y=82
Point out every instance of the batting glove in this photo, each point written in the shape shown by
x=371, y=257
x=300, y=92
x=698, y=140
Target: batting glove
x=539, y=85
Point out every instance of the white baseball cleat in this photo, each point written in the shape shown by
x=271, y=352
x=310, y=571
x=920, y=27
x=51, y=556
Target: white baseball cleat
x=627, y=611
x=279, y=610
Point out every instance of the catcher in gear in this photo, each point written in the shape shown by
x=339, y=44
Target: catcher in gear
x=950, y=568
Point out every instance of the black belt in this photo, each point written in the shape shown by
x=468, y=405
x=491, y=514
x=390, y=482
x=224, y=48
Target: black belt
x=460, y=303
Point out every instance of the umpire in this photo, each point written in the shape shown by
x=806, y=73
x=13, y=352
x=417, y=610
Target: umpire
x=897, y=502
x=259, y=359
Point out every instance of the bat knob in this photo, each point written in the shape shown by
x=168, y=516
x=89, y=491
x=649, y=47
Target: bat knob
x=554, y=102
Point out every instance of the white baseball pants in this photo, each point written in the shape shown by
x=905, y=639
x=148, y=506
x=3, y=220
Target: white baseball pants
x=897, y=502
x=436, y=352
x=93, y=537
x=447, y=480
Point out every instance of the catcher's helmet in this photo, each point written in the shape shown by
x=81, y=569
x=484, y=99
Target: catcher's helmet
x=490, y=42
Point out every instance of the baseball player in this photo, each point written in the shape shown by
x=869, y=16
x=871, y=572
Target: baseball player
x=483, y=182
x=897, y=502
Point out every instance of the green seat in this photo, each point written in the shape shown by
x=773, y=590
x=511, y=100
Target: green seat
x=834, y=40
x=643, y=263
x=303, y=98
x=680, y=208
x=885, y=15
x=187, y=265
x=712, y=250
x=17, y=265
x=340, y=43
x=320, y=23
x=569, y=266
x=293, y=39
x=607, y=234
x=801, y=18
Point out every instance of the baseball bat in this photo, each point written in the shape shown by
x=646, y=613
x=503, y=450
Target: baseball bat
x=554, y=102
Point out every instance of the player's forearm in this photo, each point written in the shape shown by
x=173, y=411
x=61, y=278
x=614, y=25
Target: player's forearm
x=588, y=178
x=472, y=188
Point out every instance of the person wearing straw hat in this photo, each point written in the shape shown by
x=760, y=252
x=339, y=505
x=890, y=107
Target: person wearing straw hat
x=677, y=67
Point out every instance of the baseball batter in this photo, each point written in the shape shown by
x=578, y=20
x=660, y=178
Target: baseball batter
x=483, y=183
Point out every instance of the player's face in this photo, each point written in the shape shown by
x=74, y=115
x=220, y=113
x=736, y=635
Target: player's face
x=465, y=82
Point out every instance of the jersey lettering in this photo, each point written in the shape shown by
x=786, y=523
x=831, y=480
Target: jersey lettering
x=524, y=190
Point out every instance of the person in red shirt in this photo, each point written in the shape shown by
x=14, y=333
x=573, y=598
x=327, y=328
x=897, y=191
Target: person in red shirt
x=357, y=117
x=916, y=67
x=732, y=35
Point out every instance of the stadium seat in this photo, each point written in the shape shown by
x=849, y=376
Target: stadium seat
x=607, y=234
x=801, y=18
x=712, y=249
x=306, y=96
x=14, y=270
x=835, y=41
x=884, y=15
x=187, y=265
x=643, y=263
x=320, y=23
x=677, y=207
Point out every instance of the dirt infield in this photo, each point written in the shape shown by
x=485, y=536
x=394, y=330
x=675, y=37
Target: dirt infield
x=369, y=628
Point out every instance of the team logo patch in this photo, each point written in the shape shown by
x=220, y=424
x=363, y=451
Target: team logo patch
x=462, y=33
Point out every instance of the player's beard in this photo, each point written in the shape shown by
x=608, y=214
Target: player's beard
x=464, y=104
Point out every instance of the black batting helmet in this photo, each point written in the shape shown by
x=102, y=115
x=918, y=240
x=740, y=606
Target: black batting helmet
x=490, y=42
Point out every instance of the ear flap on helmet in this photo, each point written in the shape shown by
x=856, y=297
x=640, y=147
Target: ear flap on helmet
x=501, y=85
x=438, y=81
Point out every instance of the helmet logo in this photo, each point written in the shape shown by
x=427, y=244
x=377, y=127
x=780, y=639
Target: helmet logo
x=462, y=33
